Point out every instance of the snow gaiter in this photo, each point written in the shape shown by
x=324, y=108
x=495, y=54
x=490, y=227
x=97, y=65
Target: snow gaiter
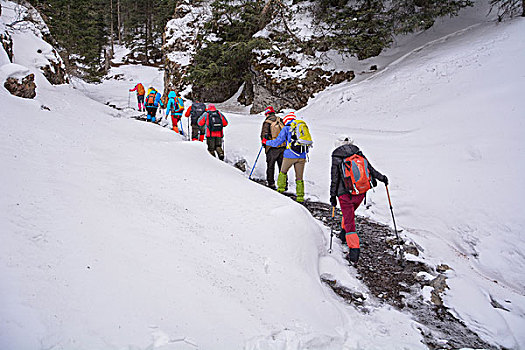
x=282, y=180
x=299, y=189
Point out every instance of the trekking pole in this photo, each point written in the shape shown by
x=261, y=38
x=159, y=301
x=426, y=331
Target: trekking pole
x=129, y=94
x=189, y=139
x=254, y=164
x=394, y=221
x=331, y=230
x=181, y=128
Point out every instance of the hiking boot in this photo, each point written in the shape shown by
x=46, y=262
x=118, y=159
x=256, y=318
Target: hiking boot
x=272, y=186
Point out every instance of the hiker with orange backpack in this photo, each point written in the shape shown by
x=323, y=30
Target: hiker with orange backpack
x=298, y=140
x=271, y=128
x=140, y=96
x=174, y=108
x=351, y=176
x=152, y=103
x=214, y=121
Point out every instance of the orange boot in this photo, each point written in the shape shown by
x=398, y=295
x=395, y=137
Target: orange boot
x=175, y=128
x=201, y=138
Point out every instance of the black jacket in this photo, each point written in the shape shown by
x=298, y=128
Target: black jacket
x=337, y=186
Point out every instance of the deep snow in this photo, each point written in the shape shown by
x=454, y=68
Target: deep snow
x=118, y=234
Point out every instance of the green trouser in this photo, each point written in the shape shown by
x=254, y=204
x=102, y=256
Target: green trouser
x=215, y=145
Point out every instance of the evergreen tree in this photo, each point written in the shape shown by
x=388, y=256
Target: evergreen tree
x=85, y=30
x=223, y=64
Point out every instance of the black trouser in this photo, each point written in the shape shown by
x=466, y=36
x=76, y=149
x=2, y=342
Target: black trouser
x=152, y=112
x=274, y=155
x=196, y=130
x=215, y=145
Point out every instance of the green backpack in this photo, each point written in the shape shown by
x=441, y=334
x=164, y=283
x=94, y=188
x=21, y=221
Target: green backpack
x=301, y=139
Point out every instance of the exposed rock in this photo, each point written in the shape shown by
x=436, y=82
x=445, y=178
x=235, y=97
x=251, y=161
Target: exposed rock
x=173, y=75
x=55, y=72
x=442, y=268
x=25, y=89
x=439, y=284
x=264, y=89
x=7, y=43
x=241, y=165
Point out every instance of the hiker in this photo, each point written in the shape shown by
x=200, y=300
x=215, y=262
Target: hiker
x=351, y=176
x=140, y=96
x=214, y=122
x=294, y=154
x=195, y=111
x=174, y=108
x=152, y=103
x=271, y=128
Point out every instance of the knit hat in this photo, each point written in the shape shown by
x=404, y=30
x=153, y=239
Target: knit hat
x=343, y=140
x=269, y=110
x=211, y=107
x=289, y=117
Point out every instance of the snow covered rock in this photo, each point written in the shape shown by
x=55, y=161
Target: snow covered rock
x=25, y=88
x=25, y=39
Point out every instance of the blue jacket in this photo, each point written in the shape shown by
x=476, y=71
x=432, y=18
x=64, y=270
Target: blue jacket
x=157, y=101
x=286, y=135
x=172, y=102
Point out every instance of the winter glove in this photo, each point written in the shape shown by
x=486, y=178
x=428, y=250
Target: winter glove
x=384, y=180
x=333, y=201
x=264, y=141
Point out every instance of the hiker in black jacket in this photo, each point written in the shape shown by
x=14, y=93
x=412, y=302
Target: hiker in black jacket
x=349, y=202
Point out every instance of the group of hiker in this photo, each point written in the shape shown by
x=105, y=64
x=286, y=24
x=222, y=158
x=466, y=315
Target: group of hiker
x=286, y=142
x=206, y=121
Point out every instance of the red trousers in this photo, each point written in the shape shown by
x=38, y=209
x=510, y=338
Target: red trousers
x=349, y=203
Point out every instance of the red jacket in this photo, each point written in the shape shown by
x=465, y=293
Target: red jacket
x=139, y=88
x=203, y=120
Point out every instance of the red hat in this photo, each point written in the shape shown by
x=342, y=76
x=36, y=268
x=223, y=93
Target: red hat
x=211, y=107
x=289, y=117
x=268, y=110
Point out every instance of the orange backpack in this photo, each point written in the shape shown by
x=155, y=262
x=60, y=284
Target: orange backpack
x=140, y=89
x=150, y=101
x=356, y=175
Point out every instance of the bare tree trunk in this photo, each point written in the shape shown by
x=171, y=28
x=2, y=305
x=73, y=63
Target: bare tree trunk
x=111, y=33
x=106, y=61
x=522, y=8
x=146, y=38
x=263, y=21
x=118, y=23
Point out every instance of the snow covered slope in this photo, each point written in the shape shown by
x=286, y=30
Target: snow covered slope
x=445, y=123
x=117, y=234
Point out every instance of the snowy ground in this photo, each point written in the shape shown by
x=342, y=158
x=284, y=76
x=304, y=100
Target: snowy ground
x=118, y=234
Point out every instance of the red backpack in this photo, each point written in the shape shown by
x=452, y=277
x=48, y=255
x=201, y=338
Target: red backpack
x=356, y=175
